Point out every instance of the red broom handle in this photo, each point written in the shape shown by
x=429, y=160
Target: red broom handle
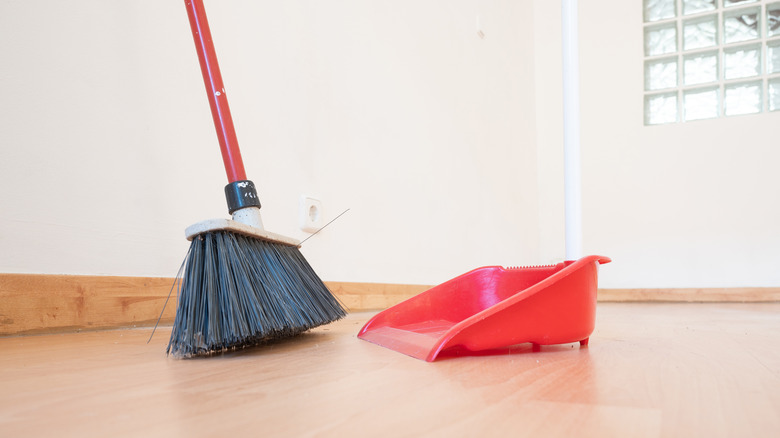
x=215, y=89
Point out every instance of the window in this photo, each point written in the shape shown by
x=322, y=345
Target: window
x=710, y=58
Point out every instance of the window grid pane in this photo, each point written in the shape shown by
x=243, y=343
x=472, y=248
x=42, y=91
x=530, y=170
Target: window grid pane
x=773, y=57
x=700, y=68
x=773, y=19
x=742, y=62
x=661, y=108
x=774, y=94
x=728, y=3
x=661, y=39
x=700, y=32
x=659, y=9
x=701, y=104
x=695, y=6
x=661, y=74
x=741, y=25
x=744, y=98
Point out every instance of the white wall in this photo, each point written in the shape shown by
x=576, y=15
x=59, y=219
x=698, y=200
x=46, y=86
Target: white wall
x=394, y=109
x=682, y=205
x=446, y=147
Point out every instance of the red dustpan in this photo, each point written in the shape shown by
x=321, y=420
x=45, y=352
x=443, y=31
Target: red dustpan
x=493, y=307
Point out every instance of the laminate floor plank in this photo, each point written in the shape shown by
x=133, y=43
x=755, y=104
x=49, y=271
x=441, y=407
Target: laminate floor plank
x=651, y=370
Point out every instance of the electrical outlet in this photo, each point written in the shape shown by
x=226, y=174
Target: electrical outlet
x=310, y=214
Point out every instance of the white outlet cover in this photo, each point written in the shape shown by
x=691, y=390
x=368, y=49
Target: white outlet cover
x=310, y=214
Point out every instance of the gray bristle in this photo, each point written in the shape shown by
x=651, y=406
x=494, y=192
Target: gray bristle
x=238, y=291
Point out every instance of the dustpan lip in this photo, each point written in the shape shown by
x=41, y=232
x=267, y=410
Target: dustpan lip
x=528, y=292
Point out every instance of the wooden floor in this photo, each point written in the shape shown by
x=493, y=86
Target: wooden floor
x=651, y=370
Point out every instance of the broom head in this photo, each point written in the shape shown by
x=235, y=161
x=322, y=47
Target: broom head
x=242, y=286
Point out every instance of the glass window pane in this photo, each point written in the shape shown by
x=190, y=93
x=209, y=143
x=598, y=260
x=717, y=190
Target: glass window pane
x=773, y=19
x=742, y=62
x=700, y=32
x=774, y=94
x=701, y=104
x=700, y=68
x=661, y=108
x=728, y=3
x=660, y=74
x=660, y=39
x=743, y=98
x=659, y=9
x=741, y=25
x=773, y=57
x=693, y=6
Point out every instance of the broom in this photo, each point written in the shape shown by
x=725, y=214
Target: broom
x=240, y=285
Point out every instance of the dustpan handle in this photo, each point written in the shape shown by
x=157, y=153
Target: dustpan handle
x=572, y=179
x=215, y=90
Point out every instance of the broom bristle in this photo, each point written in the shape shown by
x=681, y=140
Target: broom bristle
x=239, y=291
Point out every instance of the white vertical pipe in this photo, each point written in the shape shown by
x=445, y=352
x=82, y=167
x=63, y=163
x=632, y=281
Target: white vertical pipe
x=571, y=131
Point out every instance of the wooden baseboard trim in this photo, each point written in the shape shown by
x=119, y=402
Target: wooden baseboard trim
x=36, y=303
x=693, y=295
